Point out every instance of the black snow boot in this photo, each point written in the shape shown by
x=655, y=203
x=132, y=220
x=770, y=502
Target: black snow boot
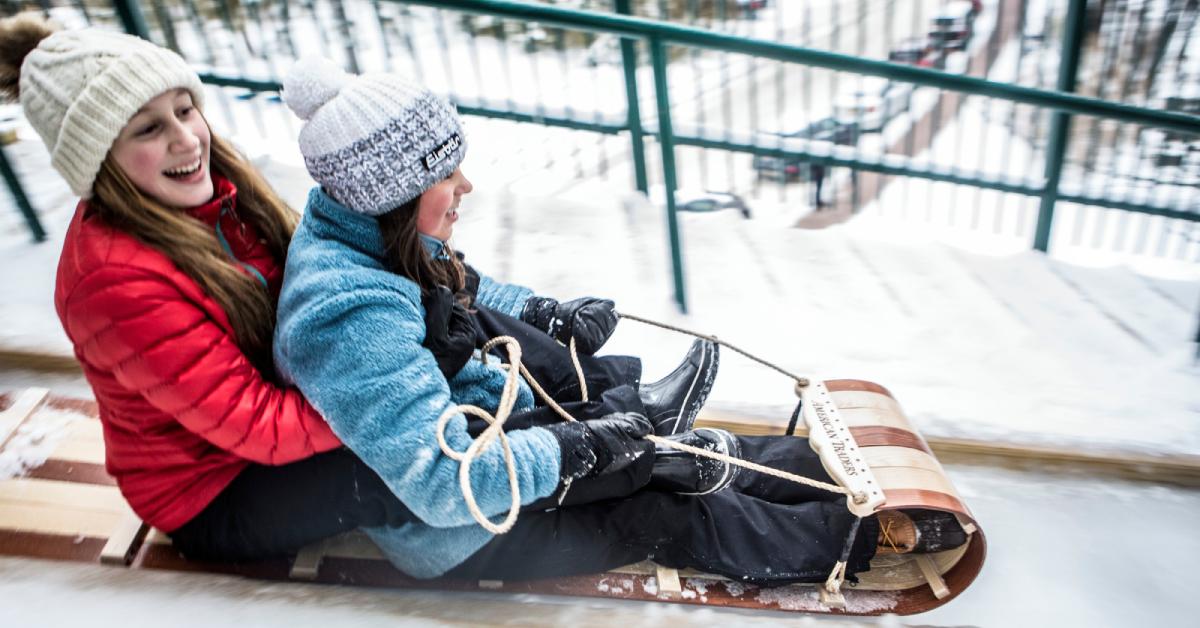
x=673, y=402
x=679, y=471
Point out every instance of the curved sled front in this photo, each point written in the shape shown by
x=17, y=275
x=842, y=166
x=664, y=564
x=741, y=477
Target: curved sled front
x=910, y=476
x=68, y=508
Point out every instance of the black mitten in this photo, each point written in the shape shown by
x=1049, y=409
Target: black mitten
x=589, y=320
x=601, y=446
x=449, y=334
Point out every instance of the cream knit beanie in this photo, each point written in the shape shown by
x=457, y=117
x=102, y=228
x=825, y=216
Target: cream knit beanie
x=79, y=89
x=375, y=141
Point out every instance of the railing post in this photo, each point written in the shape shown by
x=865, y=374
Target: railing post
x=132, y=18
x=634, y=117
x=1060, y=125
x=14, y=186
x=666, y=139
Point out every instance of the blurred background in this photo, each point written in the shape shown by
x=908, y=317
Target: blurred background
x=907, y=191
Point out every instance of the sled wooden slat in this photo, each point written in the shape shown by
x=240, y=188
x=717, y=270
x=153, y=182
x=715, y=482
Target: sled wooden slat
x=897, y=572
x=69, y=508
x=874, y=417
x=17, y=411
x=866, y=400
x=56, y=520
x=668, y=582
x=82, y=497
x=898, y=478
x=930, y=571
x=899, y=457
x=124, y=540
x=307, y=564
x=91, y=452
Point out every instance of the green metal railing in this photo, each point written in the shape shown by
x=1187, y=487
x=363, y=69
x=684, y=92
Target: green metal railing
x=661, y=37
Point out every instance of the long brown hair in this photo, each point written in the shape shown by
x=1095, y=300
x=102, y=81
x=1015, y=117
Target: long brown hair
x=193, y=246
x=407, y=256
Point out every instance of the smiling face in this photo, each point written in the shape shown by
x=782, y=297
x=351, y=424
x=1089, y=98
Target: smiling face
x=164, y=150
x=437, y=209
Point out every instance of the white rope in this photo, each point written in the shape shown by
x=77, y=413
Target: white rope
x=494, y=430
x=746, y=464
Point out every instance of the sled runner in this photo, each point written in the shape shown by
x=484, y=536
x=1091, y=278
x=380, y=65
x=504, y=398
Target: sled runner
x=67, y=507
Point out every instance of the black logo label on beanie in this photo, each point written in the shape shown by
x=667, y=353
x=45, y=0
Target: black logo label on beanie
x=440, y=153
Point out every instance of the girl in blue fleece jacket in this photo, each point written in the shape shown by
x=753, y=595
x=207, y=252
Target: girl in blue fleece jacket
x=379, y=324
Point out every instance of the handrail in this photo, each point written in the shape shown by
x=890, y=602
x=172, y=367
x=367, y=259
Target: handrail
x=687, y=35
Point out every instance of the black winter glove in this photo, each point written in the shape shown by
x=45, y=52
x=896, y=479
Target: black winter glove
x=601, y=446
x=590, y=320
x=449, y=333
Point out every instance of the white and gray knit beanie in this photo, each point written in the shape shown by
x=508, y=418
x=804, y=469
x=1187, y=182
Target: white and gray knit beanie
x=374, y=141
x=79, y=88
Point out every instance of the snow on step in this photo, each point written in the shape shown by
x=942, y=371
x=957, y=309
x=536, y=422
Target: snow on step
x=1131, y=304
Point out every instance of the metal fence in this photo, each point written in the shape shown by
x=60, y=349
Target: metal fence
x=772, y=99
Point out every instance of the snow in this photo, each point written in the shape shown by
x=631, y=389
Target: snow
x=1091, y=347
x=809, y=600
x=35, y=440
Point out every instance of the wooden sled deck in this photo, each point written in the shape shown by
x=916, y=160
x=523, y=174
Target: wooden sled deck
x=67, y=507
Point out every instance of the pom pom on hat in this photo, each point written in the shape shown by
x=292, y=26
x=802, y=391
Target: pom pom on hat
x=312, y=82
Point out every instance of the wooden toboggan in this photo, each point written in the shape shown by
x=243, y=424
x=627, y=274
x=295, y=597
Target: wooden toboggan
x=67, y=507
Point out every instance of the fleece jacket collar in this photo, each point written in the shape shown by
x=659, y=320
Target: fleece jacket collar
x=330, y=220
x=437, y=249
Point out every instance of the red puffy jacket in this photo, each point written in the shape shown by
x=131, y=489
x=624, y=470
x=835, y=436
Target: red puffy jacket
x=183, y=410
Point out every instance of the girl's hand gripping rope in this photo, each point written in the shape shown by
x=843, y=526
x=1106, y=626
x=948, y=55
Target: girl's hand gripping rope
x=590, y=321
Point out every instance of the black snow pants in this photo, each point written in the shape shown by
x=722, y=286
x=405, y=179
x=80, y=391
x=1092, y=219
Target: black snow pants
x=760, y=530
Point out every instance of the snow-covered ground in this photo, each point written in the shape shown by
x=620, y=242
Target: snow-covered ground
x=978, y=337
x=974, y=334
x=1063, y=552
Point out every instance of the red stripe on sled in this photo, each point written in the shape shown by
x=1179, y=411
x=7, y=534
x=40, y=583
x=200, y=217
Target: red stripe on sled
x=920, y=498
x=880, y=435
x=55, y=546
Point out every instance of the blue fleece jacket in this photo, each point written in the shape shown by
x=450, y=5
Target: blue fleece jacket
x=349, y=336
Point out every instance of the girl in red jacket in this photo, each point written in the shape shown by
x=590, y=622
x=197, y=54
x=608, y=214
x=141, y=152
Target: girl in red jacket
x=167, y=286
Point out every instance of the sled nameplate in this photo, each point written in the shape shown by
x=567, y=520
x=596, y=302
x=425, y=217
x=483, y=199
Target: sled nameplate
x=830, y=437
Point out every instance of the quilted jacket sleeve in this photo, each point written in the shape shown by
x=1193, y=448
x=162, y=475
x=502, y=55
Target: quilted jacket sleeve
x=162, y=345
